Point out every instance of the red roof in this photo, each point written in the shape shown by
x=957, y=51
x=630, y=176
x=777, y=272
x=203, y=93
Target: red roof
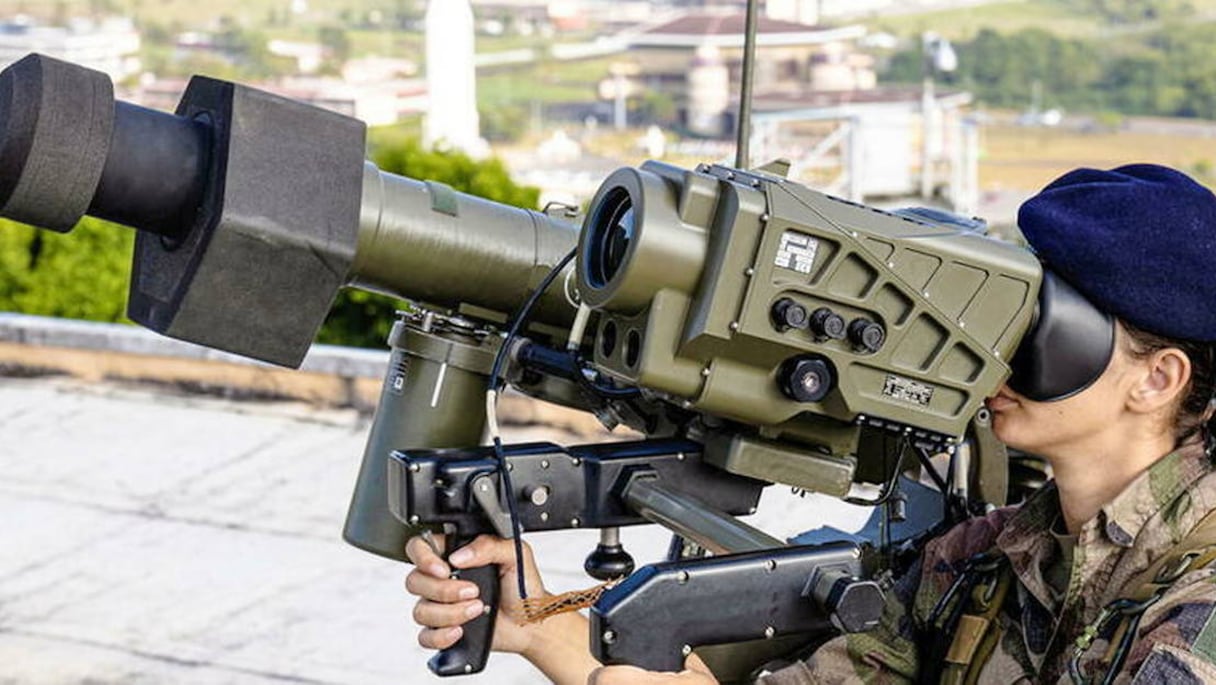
x=725, y=25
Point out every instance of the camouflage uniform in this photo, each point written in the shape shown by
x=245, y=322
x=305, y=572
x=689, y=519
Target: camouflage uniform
x=1176, y=640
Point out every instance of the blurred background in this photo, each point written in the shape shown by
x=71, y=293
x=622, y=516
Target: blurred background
x=172, y=514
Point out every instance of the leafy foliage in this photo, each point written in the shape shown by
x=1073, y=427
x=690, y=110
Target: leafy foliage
x=1170, y=71
x=82, y=275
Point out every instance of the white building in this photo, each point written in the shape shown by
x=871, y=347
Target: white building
x=110, y=46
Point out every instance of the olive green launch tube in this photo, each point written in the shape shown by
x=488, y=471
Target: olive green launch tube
x=433, y=396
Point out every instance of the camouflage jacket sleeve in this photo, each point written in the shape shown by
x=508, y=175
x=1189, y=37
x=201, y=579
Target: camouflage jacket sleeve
x=1177, y=641
x=888, y=654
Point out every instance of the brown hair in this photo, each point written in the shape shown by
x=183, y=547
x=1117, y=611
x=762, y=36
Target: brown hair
x=1200, y=389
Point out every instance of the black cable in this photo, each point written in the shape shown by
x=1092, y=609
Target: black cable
x=605, y=391
x=888, y=488
x=517, y=323
x=948, y=503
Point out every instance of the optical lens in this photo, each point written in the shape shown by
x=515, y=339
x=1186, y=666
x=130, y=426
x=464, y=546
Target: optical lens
x=614, y=231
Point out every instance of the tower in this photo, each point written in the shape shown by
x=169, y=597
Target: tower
x=451, y=117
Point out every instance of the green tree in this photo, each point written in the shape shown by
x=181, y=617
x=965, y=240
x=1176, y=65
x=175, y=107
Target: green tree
x=82, y=275
x=364, y=319
x=336, y=42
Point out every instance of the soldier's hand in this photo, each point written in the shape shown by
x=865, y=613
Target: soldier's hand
x=695, y=673
x=446, y=604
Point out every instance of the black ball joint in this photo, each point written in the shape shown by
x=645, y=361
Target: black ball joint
x=806, y=379
x=608, y=562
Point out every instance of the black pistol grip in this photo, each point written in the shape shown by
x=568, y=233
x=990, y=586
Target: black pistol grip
x=470, y=653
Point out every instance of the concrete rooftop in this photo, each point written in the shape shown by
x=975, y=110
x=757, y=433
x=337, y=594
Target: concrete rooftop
x=152, y=537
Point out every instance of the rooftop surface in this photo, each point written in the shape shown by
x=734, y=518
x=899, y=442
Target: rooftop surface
x=153, y=537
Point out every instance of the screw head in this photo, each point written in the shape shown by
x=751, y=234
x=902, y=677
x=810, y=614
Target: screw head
x=575, y=523
x=682, y=578
x=415, y=520
x=686, y=650
x=769, y=632
x=544, y=463
x=414, y=468
x=608, y=637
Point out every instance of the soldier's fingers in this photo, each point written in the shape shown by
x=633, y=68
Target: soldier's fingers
x=694, y=664
x=439, y=638
x=485, y=550
x=420, y=553
x=438, y=615
x=630, y=675
x=443, y=590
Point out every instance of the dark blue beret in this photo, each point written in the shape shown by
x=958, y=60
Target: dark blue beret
x=1139, y=241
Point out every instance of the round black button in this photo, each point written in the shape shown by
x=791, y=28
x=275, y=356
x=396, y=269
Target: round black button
x=867, y=335
x=806, y=379
x=788, y=314
x=826, y=323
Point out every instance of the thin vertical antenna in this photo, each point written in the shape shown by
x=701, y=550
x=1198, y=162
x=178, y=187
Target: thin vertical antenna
x=742, y=154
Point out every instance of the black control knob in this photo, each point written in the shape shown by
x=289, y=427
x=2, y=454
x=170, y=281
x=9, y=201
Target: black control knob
x=806, y=379
x=853, y=605
x=867, y=335
x=826, y=323
x=788, y=314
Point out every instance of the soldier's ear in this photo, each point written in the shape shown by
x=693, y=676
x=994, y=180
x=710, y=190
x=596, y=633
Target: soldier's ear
x=1162, y=378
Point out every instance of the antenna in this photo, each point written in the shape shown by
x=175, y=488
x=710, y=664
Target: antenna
x=742, y=153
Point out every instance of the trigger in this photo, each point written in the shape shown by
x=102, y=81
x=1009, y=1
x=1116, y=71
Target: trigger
x=485, y=493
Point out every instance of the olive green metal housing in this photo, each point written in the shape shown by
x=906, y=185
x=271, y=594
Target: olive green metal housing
x=694, y=270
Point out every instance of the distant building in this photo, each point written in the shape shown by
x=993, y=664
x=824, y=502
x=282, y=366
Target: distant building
x=695, y=54
x=308, y=56
x=378, y=103
x=873, y=145
x=110, y=45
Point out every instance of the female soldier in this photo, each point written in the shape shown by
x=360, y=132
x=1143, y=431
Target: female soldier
x=1104, y=573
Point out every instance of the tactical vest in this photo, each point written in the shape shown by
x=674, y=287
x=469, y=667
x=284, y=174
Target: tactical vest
x=970, y=608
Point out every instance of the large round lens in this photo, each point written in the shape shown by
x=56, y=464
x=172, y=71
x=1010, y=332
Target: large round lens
x=613, y=233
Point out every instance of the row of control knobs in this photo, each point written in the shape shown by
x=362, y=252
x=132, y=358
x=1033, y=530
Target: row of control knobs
x=824, y=323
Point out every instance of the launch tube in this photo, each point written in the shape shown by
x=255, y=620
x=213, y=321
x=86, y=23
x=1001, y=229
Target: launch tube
x=424, y=241
x=254, y=210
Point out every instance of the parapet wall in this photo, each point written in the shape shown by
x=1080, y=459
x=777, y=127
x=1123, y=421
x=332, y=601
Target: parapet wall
x=330, y=375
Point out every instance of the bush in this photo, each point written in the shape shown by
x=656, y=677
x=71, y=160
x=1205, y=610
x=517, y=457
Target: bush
x=81, y=275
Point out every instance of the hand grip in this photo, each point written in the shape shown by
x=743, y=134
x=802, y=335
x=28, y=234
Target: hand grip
x=470, y=653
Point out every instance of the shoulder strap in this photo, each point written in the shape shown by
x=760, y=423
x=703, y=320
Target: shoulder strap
x=976, y=631
x=1195, y=550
